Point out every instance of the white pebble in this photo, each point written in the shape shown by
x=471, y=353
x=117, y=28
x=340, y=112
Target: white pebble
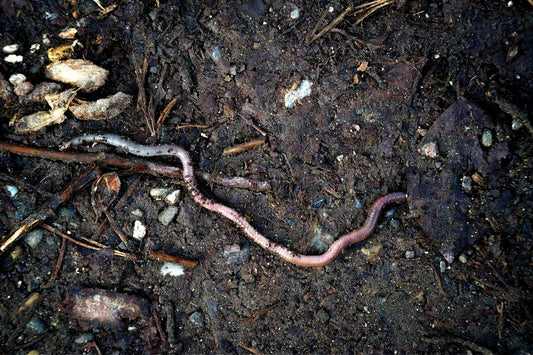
x=139, y=230
x=35, y=47
x=167, y=215
x=409, y=254
x=16, y=79
x=34, y=237
x=295, y=14
x=302, y=91
x=13, y=58
x=10, y=48
x=13, y=190
x=172, y=197
x=172, y=269
x=158, y=192
x=430, y=150
x=137, y=212
x=463, y=259
x=486, y=138
x=442, y=266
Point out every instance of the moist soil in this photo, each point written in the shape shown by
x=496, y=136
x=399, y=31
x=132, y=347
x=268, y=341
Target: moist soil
x=425, y=97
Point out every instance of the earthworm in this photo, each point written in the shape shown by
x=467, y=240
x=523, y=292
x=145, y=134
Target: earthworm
x=188, y=175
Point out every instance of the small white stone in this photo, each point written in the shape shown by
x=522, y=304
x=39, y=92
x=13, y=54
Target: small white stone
x=442, y=266
x=137, y=212
x=295, y=14
x=167, y=215
x=172, y=197
x=409, y=254
x=463, y=259
x=158, y=192
x=430, y=150
x=139, y=230
x=303, y=90
x=35, y=47
x=172, y=269
x=13, y=58
x=10, y=48
x=34, y=237
x=13, y=190
x=16, y=79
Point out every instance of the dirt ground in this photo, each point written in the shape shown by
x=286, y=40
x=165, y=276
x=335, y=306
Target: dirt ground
x=426, y=97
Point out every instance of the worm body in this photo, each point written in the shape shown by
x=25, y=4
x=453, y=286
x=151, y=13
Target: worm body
x=188, y=175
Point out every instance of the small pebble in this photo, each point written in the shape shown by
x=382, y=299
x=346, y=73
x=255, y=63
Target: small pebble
x=16, y=79
x=442, y=266
x=486, y=138
x=35, y=47
x=430, y=150
x=16, y=252
x=172, y=269
x=235, y=254
x=215, y=54
x=137, y=212
x=34, y=237
x=319, y=202
x=516, y=125
x=466, y=183
x=67, y=212
x=463, y=259
x=10, y=48
x=13, y=58
x=167, y=215
x=139, y=230
x=36, y=325
x=84, y=338
x=321, y=241
x=293, y=96
x=158, y=192
x=13, y=190
x=358, y=204
x=295, y=14
x=172, y=197
x=197, y=318
x=23, y=89
x=409, y=254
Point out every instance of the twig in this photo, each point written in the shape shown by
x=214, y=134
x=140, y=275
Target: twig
x=242, y=147
x=58, y=264
x=155, y=255
x=367, y=9
x=332, y=24
x=158, y=325
x=95, y=245
x=48, y=209
x=439, y=281
x=166, y=111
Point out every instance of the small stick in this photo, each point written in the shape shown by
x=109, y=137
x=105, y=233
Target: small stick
x=58, y=264
x=48, y=210
x=332, y=24
x=166, y=111
x=242, y=147
x=155, y=255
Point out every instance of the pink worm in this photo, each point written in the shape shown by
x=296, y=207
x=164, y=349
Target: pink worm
x=188, y=175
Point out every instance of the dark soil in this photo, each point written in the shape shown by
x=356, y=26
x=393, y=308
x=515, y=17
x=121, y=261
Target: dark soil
x=441, y=112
